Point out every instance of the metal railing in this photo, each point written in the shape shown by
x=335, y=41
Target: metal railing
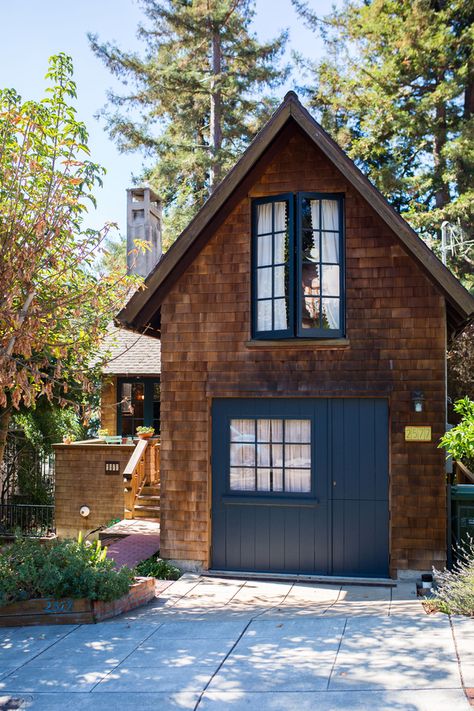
x=30, y=519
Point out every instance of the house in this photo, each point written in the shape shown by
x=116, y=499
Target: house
x=130, y=391
x=303, y=330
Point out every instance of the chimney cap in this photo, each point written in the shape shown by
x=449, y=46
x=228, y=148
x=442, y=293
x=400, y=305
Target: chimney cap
x=139, y=191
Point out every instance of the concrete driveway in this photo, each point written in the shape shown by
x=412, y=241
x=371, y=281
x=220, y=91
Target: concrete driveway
x=216, y=644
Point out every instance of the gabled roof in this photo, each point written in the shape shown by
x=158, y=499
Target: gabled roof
x=142, y=310
x=130, y=354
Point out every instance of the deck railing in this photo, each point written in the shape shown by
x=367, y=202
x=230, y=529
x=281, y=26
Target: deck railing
x=30, y=519
x=134, y=477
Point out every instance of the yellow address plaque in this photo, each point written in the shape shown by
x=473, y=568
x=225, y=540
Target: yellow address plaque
x=417, y=434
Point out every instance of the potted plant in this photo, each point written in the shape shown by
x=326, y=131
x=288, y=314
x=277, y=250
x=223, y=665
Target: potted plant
x=145, y=432
x=68, y=439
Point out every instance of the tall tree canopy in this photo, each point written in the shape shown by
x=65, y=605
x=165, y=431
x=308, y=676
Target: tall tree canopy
x=195, y=98
x=396, y=90
x=54, y=306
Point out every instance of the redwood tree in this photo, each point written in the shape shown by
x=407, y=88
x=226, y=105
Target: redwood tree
x=194, y=98
x=54, y=305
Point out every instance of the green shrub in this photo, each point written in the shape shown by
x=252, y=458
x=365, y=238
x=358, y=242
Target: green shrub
x=155, y=567
x=459, y=441
x=454, y=593
x=71, y=569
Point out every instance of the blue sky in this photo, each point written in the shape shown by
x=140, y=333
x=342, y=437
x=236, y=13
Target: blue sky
x=32, y=30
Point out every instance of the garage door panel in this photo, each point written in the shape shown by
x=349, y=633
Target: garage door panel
x=277, y=539
x=262, y=538
x=339, y=529
x=247, y=536
x=380, y=492
x=357, y=549
x=232, y=537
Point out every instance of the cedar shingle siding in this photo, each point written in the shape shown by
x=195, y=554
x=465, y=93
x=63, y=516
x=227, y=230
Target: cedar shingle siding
x=395, y=325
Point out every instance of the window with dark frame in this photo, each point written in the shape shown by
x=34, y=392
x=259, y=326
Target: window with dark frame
x=298, y=270
x=270, y=455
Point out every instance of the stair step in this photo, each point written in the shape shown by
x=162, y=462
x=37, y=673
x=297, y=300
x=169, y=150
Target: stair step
x=149, y=497
x=151, y=490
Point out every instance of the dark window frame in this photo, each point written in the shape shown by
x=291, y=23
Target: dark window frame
x=295, y=329
x=148, y=386
x=263, y=494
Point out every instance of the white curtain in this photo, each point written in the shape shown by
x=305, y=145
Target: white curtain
x=265, y=276
x=280, y=316
x=298, y=431
x=298, y=480
x=269, y=431
x=330, y=253
x=280, y=216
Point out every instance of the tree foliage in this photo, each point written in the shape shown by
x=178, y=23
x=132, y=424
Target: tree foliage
x=54, y=305
x=194, y=99
x=396, y=91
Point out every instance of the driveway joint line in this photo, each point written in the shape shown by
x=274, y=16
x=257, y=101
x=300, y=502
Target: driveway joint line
x=145, y=639
x=336, y=655
x=222, y=662
x=20, y=666
x=458, y=659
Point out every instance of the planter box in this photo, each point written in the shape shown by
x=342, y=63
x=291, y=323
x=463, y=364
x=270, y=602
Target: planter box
x=45, y=611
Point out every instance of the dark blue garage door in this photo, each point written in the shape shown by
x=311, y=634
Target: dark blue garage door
x=301, y=486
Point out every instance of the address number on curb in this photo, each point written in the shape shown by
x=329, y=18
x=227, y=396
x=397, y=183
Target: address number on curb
x=417, y=434
x=55, y=606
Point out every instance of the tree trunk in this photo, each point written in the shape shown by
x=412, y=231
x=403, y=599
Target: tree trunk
x=5, y=416
x=442, y=196
x=216, y=110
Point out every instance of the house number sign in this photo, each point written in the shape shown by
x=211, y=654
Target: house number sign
x=112, y=467
x=417, y=434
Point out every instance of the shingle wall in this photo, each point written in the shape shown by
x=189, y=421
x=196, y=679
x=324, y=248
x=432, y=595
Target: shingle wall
x=396, y=333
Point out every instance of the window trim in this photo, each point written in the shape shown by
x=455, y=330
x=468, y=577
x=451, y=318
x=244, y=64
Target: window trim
x=282, y=333
x=295, y=330
x=253, y=495
x=148, y=384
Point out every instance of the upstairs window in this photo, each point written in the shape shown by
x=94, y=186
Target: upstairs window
x=298, y=279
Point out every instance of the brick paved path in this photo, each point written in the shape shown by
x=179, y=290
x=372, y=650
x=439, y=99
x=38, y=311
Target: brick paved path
x=132, y=549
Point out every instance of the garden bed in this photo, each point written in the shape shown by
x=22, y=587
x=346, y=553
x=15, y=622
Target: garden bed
x=69, y=611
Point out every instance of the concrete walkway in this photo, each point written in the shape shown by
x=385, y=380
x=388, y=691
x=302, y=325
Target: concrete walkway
x=213, y=644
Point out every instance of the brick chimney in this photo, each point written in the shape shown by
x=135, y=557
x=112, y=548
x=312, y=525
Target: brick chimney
x=143, y=222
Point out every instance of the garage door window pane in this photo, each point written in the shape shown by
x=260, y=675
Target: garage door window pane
x=270, y=430
x=242, y=479
x=298, y=480
x=242, y=430
x=242, y=455
x=298, y=455
x=269, y=480
x=270, y=455
x=298, y=431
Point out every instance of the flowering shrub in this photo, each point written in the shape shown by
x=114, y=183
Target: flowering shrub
x=454, y=593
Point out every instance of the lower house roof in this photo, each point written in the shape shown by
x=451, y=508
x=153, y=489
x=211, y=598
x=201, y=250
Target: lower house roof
x=131, y=353
x=142, y=312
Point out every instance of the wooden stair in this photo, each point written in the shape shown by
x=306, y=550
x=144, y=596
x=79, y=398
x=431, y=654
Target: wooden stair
x=147, y=503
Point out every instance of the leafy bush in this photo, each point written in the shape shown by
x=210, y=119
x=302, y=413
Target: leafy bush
x=459, y=441
x=155, y=567
x=71, y=569
x=454, y=593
